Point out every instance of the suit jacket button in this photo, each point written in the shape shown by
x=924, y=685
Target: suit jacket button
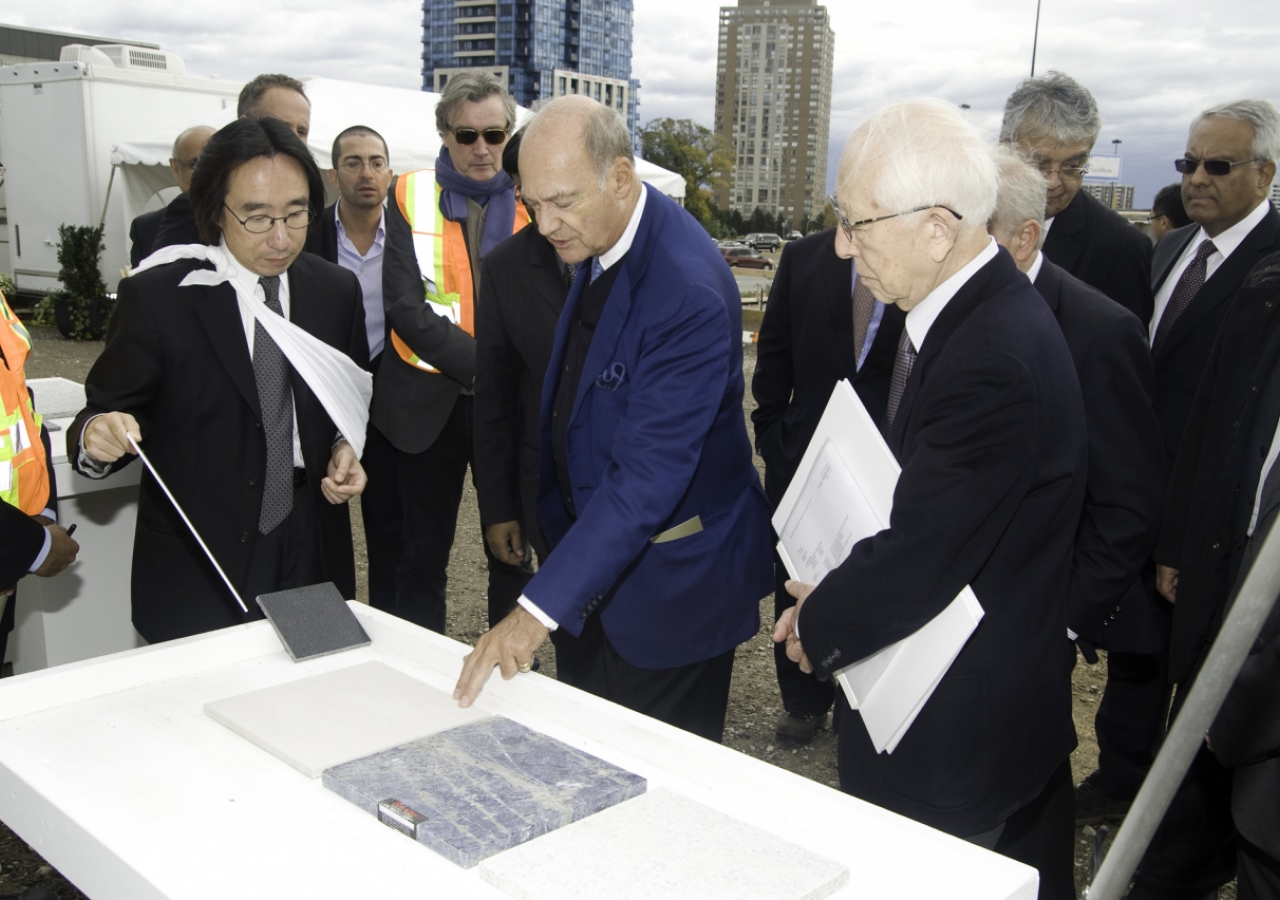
x=244, y=537
x=1216, y=545
x=585, y=612
x=253, y=480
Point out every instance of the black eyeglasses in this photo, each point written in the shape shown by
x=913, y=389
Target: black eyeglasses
x=1072, y=172
x=492, y=136
x=299, y=218
x=849, y=226
x=1188, y=165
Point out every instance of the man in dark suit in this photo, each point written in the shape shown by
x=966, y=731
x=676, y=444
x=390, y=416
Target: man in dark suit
x=1223, y=421
x=423, y=404
x=1224, y=498
x=248, y=447
x=522, y=291
x=986, y=419
x=1167, y=211
x=1054, y=119
x=186, y=151
x=658, y=528
x=818, y=329
x=278, y=96
x=1109, y=604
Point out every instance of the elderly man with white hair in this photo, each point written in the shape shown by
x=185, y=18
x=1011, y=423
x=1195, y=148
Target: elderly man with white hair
x=986, y=419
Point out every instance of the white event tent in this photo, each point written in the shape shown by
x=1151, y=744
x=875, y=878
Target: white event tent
x=406, y=118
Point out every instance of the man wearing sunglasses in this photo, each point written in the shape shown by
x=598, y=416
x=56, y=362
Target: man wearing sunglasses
x=422, y=402
x=246, y=443
x=1213, y=396
x=1054, y=119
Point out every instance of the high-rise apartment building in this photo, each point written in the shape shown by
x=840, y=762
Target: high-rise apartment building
x=539, y=48
x=773, y=105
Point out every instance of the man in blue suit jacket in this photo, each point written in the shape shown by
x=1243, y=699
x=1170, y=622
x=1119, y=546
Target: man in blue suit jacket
x=658, y=527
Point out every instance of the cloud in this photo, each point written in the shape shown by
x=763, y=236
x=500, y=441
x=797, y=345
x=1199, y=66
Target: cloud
x=1151, y=65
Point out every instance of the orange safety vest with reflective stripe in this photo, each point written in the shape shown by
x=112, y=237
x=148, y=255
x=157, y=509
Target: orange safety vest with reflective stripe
x=441, y=249
x=24, y=475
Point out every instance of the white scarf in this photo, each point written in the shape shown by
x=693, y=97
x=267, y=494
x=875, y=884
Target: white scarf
x=342, y=387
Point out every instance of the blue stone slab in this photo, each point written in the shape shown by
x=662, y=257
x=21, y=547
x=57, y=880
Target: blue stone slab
x=481, y=788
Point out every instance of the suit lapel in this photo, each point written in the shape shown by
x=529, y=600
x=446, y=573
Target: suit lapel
x=984, y=282
x=618, y=306
x=1063, y=243
x=219, y=313
x=545, y=271
x=1224, y=283
x=1174, y=243
x=306, y=303
x=1049, y=284
x=835, y=283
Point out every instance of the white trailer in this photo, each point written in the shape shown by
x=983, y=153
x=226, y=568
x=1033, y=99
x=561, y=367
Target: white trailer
x=61, y=121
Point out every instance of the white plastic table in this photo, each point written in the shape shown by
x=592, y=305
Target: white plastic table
x=110, y=769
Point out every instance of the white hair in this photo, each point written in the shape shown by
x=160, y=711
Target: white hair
x=1021, y=195
x=923, y=152
x=1261, y=114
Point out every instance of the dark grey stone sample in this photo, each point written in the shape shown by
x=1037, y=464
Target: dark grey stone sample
x=313, y=621
x=485, y=787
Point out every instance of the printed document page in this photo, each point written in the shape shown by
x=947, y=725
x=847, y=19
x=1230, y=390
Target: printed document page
x=842, y=493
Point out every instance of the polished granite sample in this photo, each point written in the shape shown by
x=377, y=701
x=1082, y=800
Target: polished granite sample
x=663, y=845
x=313, y=621
x=478, y=789
x=323, y=720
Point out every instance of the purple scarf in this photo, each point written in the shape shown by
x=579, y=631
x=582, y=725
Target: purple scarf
x=498, y=193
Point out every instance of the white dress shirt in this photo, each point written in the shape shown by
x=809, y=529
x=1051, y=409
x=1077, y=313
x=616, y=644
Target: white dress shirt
x=1034, y=272
x=607, y=259
x=1225, y=244
x=920, y=318
x=249, y=282
x=368, y=270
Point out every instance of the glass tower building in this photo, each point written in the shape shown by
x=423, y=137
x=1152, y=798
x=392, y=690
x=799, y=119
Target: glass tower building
x=539, y=48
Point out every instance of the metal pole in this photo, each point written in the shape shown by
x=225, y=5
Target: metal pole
x=1238, y=633
x=1035, y=39
x=110, y=181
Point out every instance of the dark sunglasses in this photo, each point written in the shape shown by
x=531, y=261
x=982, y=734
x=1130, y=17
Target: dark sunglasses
x=492, y=136
x=1189, y=164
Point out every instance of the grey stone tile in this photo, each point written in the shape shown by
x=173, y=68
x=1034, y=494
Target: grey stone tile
x=663, y=845
x=484, y=787
x=313, y=621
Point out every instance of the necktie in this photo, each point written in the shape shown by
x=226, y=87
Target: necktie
x=864, y=305
x=902, y=365
x=1183, y=293
x=567, y=274
x=276, y=399
x=596, y=269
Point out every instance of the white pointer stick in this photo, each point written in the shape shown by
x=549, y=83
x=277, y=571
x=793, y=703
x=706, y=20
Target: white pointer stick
x=203, y=546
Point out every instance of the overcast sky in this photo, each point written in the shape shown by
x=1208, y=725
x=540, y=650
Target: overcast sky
x=1151, y=65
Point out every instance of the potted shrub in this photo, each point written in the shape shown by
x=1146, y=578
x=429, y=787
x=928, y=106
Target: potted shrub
x=82, y=308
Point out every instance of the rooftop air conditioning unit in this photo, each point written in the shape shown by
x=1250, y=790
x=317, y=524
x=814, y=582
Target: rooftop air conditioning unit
x=85, y=54
x=126, y=56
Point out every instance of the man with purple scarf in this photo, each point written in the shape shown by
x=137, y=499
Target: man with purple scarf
x=421, y=413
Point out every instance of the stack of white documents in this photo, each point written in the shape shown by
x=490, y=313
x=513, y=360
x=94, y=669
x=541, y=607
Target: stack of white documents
x=842, y=493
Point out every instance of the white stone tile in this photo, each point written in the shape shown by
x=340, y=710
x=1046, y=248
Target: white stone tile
x=662, y=844
x=324, y=720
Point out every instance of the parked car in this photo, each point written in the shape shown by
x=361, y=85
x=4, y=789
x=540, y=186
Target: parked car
x=763, y=241
x=794, y=235
x=746, y=257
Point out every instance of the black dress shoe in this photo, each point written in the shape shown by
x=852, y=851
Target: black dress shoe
x=798, y=728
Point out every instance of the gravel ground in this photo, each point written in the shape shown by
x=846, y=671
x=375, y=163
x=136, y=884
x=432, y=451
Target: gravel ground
x=753, y=702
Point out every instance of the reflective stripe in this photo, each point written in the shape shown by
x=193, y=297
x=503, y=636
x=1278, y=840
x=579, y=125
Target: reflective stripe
x=443, y=261
x=26, y=475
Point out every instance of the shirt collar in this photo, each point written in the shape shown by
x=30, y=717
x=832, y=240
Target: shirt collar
x=619, y=250
x=248, y=281
x=1233, y=237
x=377, y=238
x=1036, y=266
x=920, y=318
